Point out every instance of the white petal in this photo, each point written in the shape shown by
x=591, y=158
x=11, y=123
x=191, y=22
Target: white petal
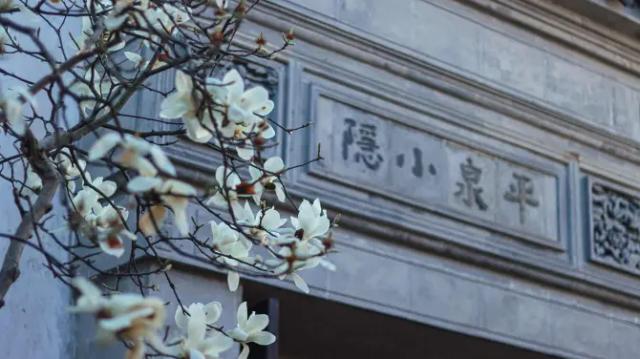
x=142, y=184
x=242, y=315
x=299, y=282
x=263, y=338
x=257, y=322
x=194, y=354
x=213, y=312
x=181, y=319
x=234, y=83
x=274, y=165
x=233, y=281
x=246, y=153
x=162, y=161
x=103, y=145
x=184, y=83
x=244, y=354
x=253, y=98
x=108, y=188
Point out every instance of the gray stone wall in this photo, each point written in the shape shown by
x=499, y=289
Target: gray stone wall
x=484, y=155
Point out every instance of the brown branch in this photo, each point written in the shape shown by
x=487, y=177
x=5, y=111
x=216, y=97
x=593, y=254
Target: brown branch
x=10, y=270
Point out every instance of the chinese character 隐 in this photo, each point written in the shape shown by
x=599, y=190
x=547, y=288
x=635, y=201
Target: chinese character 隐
x=366, y=142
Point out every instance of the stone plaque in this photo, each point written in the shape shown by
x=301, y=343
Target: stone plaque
x=384, y=156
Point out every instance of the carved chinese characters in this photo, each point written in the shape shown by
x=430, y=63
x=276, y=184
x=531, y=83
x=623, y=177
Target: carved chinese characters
x=521, y=192
x=469, y=190
x=380, y=155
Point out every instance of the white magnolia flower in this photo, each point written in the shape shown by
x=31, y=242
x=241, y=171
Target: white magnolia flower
x=242, y=107
x=68, y=168
x=264, y=224
x=231, y=189
x=241, y=111
x=297, y=256
x=86, y=201
x=11, y=106
x=250, y=329
x=312, y=221
x=134, y=152
x=90, y=299
x=184, y=103
x=131, y=317
x=110, y=229
x=173, y=193
x=197, y=344
x=233, y=248
x=32, y=184
x=268, y=179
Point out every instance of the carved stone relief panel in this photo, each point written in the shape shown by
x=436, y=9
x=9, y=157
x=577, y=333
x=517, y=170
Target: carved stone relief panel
x=615, y=227
x=383, y=155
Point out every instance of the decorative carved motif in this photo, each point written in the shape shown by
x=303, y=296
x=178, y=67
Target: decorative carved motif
x=616, y=227
x=254, y=74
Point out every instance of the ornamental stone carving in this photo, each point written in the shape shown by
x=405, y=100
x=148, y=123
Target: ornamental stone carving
x=616, y=227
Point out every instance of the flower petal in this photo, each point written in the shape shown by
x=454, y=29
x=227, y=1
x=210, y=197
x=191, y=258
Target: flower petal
x=233, y=281
x=299, y=282
x=103, y=145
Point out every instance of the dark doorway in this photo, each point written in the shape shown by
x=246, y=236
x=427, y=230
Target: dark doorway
x=312, y=328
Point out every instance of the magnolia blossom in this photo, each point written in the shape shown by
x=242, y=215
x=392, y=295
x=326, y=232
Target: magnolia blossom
x=131, y=317
x=242, y=107
x=11, y=107
x=32, y=184
x=197, y=344
x=242, y=110
x=264, y=224
x=268, y=179
x=110, y=231
x=312, y=221
x=230, y=190
x=250, y=329
x=173, y=193
x=134, y=152
x=184, y=103
x=86, y=201
x=69, y=169
x=233, y=248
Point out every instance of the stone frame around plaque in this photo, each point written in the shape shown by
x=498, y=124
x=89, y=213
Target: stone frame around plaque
x=506, y=153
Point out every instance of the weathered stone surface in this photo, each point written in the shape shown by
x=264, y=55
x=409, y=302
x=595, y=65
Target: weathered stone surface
x=387, y=157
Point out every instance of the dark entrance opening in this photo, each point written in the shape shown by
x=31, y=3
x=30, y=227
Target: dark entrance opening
x=312, y=328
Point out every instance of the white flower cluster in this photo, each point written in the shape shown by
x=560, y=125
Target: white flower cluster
x=245, y=194
x=136, y=319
